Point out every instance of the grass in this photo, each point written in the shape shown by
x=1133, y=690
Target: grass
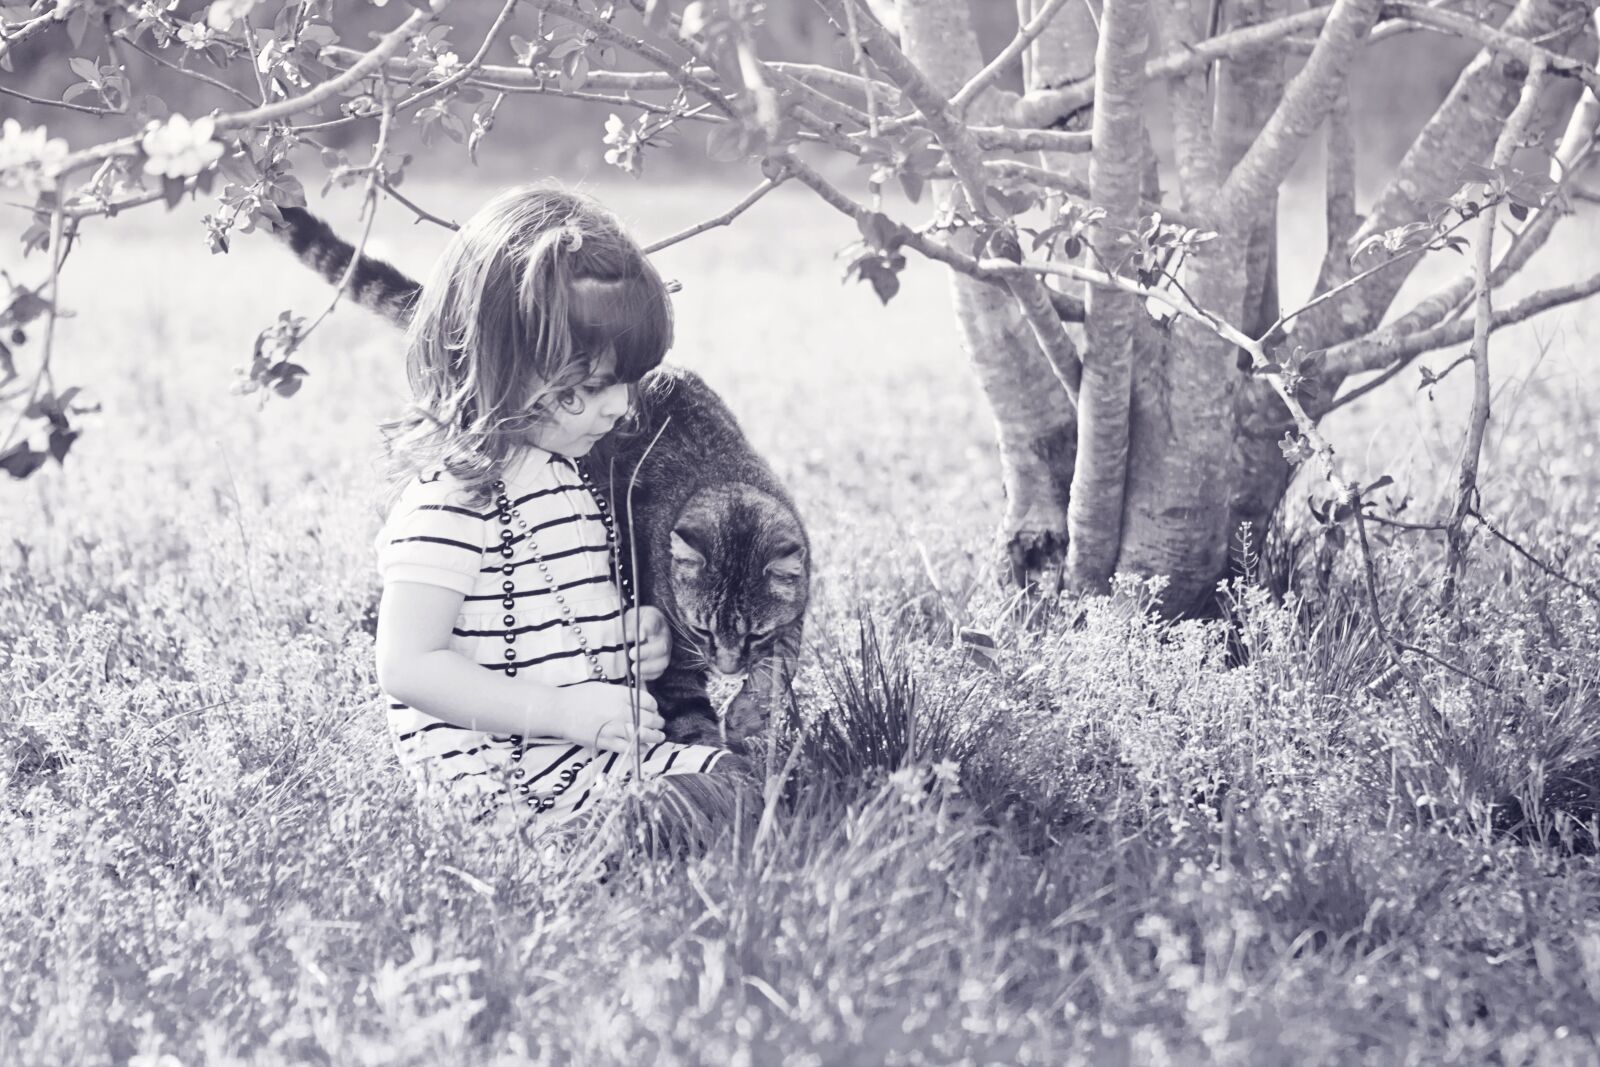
x=1107, y=839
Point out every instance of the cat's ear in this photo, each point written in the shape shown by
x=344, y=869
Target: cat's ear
x=684, y=554
x=788, y=567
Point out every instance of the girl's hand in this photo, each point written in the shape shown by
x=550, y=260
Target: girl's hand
x=600, y=715
x=654, y=649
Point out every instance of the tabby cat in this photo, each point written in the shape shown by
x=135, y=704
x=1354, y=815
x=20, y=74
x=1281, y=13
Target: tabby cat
x=720, y=547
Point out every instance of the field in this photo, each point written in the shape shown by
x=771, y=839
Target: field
x=1119, y=842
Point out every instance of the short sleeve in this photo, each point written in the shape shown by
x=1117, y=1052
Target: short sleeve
x=433, y=536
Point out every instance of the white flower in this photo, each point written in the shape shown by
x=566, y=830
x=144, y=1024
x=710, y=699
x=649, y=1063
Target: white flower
x=28, y=158
x=180, y=149
x=908, y=781
x=947, y=772
x=445, y=64
x=196, y=35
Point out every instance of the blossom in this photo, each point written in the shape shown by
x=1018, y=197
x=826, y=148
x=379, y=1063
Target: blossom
x=196, y=35
x=445, y=64
x=28, y=158
x=947, y=772
x=180, y=149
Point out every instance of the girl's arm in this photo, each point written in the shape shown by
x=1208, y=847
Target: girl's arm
x=417, y=667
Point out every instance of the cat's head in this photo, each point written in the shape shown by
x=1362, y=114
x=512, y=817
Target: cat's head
x=740, y=573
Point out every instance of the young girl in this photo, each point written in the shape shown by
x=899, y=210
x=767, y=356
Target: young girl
x=501, y=629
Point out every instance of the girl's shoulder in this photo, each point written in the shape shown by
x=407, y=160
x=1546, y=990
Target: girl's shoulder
x=438, y=489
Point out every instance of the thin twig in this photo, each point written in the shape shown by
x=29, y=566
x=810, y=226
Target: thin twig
x=1587, y=590
x=721, y=220
x=87, y=109
x=1483, y=325
x=1024, y=37
x=422, y=214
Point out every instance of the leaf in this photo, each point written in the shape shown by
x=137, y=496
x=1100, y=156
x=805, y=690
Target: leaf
x=61, y=440
x=726, y=143
x=575, y=70
x=880, y=231
x=1014, y=203
x=172, y=191
x=911, y=182
x=19, y=460
x=85, y=68
x=1518, y=211
x=76, y=90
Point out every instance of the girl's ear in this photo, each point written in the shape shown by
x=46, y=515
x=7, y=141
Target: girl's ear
x=684, y=554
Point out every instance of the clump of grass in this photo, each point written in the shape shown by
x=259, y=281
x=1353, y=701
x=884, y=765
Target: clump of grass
x=887, y=706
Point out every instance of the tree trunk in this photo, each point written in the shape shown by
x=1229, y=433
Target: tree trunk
x=1035, y=423
x=1462, y=130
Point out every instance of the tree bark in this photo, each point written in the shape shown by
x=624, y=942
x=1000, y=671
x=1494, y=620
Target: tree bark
x=1035, y=423
x=1094, y=517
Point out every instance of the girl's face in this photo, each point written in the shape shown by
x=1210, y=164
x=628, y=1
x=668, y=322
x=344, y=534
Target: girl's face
x=573, y=428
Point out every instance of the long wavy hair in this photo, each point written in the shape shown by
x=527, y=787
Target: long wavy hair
x=526, y=299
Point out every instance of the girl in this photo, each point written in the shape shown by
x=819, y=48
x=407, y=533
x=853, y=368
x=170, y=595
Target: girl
x=501, y=628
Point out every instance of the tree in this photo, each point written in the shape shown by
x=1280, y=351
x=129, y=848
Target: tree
x=1150, y=401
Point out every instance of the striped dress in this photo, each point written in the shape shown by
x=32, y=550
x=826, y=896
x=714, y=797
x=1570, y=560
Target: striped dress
x=436, y=536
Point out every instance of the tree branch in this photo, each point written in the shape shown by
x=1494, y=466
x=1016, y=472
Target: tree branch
x=1306, y=100
x=1528, y=52
x=1046, y=106
x=372, y=60
x=1008, y=55
x=721, y=220
x=683, y=74
x=1483, y=324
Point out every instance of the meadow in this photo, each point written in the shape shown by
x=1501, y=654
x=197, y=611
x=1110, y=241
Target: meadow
x=1114, y=840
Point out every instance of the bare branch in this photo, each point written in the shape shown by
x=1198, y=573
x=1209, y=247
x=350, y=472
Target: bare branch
x=1045, y=106
x=1483, y=324
x=1386, y=346
x=1008, y=55
x=421, y=214
x=68, y=105
x=1527, y=51
x=32, y=28
x=721, y=220
x=1309, y=95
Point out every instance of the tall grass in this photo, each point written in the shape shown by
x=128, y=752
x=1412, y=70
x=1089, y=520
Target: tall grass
x=1079, y=834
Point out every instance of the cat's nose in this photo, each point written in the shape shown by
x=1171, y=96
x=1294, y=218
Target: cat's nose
x=728, y=661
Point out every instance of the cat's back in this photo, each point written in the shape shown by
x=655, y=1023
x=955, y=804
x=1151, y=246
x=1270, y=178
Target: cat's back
x=700, y=440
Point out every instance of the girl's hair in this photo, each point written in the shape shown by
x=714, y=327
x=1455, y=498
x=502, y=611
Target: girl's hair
x=526, y=299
